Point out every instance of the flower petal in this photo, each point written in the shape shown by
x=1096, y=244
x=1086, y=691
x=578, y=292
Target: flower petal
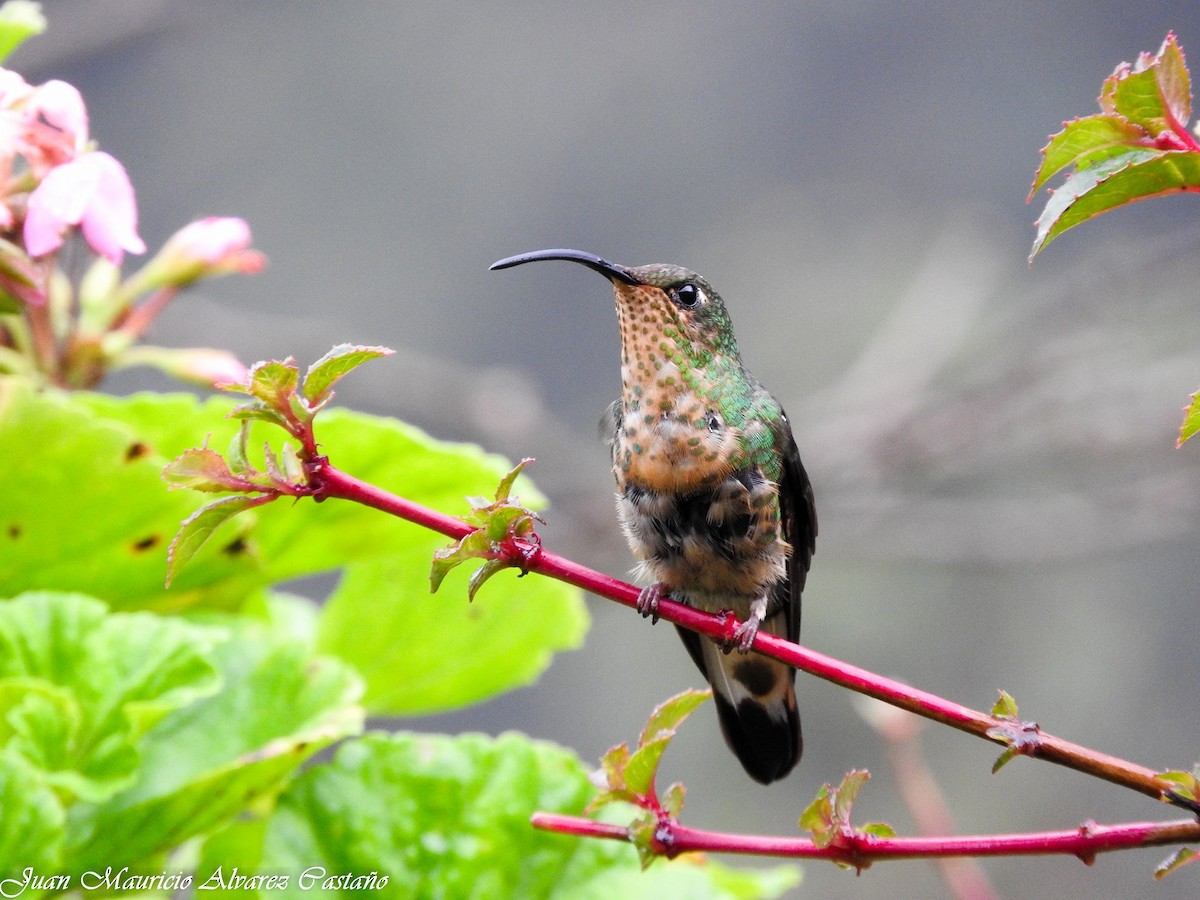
x=93, y=192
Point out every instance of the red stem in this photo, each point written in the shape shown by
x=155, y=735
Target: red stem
x=860, y=850
x=335, y=483
x=140, y=317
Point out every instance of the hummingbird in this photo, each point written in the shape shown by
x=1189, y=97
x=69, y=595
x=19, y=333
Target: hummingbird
x=712, y=497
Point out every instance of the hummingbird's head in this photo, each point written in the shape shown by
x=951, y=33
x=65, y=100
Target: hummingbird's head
x=657, y=303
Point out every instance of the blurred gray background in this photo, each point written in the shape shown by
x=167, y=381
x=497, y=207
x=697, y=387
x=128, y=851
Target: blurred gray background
x=992, y=445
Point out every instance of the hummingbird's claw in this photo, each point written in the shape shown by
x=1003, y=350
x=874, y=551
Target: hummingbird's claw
x=743, y=636
x=647, y=601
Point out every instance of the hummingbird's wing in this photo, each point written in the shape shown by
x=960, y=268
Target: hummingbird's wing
x=798, y=512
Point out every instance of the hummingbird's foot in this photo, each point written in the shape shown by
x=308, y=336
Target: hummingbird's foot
x=647, y=601
x=743, y=635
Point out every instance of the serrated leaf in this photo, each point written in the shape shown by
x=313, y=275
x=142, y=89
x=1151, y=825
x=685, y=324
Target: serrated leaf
x=507, y=481
x=473, y=546
x=197, y=528
x=1175, y=861
x=274, y=382
x=330, y=368
x=257, y=411
x=847, y=792
x=612, y=766
x=1174, y=82
x=643, y=764
x=1085, y=142
x=670, y=714
x=1005, y=707
x=1155, y=93
x=1126, y=178
x=817, y=817
x=204, y=470
x=672, y=799
x=1191, y=420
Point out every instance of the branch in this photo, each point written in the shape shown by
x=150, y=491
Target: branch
x=860, y=850
x=1024, y=738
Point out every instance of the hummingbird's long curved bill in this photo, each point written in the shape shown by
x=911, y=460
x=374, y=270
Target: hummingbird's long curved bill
x=609, y=270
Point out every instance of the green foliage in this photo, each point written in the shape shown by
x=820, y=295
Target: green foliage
x=123, y=734
x=413, y=815
x=422, y=654
x=629, y=776
x=496, y=522
x=1139, y=146
x=1191, y=420
x=19, y=21
x=113, y=721
x=828, y=816
x=1177, y=860
x=1005, y=707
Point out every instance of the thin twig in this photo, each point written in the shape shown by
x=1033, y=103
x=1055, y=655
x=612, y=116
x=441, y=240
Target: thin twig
x=1034, y=742
x=860, y=850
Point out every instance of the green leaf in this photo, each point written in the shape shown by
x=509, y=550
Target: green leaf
x=330, y=368
x=204, y=470
x=60, y=527
x=828, y=815
x=643, y=765
x=87, y=511
x=444, y=560
x=498, y=521
x=1155, y=93
x=672, y=800
x=32, y=826
x=847, y=793
x=274, y=382
x=422, y=654
x=1121, y=179
x=449, y=817
x=878, y=829
x=1007, y=756
x=1085, y=142
x=197, y=528
x=1005, y=707
x=1191, y=420
x=1185, y=784
x=80, y=687
x=817, y=817
x=205, y=763
x=19, y=21
x=1176, y=860
x=670, y=714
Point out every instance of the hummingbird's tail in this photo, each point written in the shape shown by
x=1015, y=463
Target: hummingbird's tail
x=756, y=705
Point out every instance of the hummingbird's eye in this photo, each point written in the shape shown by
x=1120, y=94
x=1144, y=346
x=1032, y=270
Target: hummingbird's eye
x=686, y=295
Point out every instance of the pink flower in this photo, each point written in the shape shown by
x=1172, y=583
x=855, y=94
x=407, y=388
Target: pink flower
x=92, y=192
x=60, y=106
x=212, y=246
x=48, y=124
